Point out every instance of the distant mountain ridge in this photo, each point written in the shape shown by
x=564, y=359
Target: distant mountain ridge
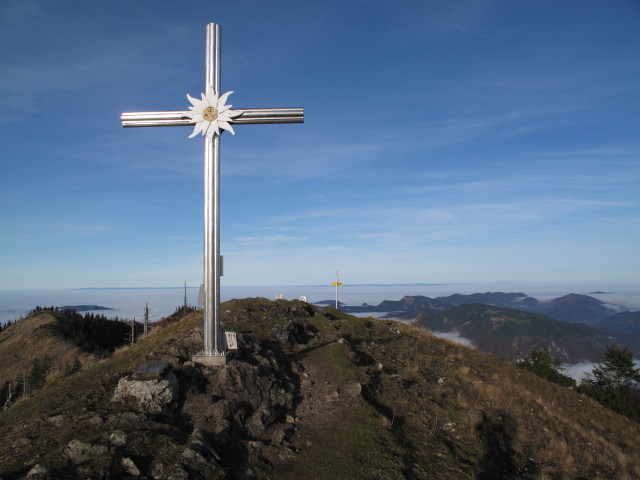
x=571, y=308
x=574, y=327
x=505, y=332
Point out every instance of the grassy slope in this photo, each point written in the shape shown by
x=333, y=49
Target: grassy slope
x=442, y=409
x=31, y=338
x=433, y=410
x=79, y=398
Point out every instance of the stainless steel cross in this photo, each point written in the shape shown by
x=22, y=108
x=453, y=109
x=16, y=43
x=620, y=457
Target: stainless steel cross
x=214, y=352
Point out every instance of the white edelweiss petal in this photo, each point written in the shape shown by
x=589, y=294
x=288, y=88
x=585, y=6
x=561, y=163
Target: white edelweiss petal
x=194, y=101
x=199, y=105
x=226, y=126
x=223, y=99
x=196, y=129
x=234, y=113
x=212, y=97
x=193, y=115
x=205, y=128
x=224, y=116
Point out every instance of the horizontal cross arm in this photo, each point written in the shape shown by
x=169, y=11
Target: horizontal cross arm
x=248, y=116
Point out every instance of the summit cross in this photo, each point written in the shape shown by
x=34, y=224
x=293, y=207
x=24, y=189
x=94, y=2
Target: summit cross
x=208, y=117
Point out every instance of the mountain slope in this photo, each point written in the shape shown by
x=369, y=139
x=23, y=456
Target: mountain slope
x=503, y=331
x=574, y=308
x=314, y=393
x=628, y=322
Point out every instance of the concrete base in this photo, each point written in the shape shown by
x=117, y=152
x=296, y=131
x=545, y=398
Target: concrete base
x=212, y=360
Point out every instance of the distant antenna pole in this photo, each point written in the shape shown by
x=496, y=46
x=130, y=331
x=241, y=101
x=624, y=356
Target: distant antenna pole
x=185, y=297
x=133, y=331
x=146, y=317
x=337, y=284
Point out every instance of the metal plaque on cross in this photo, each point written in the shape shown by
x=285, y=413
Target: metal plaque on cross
x=210, y=116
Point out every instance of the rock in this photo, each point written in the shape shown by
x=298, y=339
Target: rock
x=118, y=438
x=94, y=421
x=291, y=332
x=278, y=436
x=148, y=396
x=352, y=389
x=255, y=425
x=219, y=416
x=129, y=421
x=248, y=343
x=199, y=458
x=57, y=420
x=151, y=371
x=240, y=383
x=130, y=467
x=22, y=442
x=197, y=461
x=38, y=472
x=81, y=452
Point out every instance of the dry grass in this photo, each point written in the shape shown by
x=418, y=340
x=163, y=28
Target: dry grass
x=566, y=434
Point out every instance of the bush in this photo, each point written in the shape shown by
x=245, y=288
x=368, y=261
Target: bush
x=614, y=382
x=545, y=365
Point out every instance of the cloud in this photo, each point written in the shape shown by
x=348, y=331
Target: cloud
x=577, y=371
x=266, y=239
x=454, y=337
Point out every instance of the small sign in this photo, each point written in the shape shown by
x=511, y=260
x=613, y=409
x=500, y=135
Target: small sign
x=201, y=295
x=232, y=340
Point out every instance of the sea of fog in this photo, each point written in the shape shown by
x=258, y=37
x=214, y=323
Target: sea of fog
x=130, y=302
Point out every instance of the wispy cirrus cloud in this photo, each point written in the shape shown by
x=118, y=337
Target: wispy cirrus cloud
x=269, y=239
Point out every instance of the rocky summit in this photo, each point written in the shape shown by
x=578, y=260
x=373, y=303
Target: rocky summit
x=310, y=393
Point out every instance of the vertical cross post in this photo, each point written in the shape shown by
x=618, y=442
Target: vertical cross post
x=212, y=332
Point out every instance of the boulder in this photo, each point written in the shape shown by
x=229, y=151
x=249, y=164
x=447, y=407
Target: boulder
x=38, y=472
x=148, y=396
x=241, y=383
x=130, y=467
x=197, y=461
x=81, y=452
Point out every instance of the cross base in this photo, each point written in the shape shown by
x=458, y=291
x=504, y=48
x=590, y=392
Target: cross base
x=211, y=360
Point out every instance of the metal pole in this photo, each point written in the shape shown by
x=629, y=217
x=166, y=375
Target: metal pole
x=211, y=331
x=337, y=283
x=179, y=118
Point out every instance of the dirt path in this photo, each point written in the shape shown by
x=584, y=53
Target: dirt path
x=326, y=404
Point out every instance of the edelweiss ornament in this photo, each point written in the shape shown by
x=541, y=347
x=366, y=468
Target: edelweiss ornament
x=211, y=114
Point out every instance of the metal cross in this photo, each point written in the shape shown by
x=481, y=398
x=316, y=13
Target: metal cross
x=214, y=352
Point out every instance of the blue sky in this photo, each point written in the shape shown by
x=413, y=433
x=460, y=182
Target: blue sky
x=459, y=141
